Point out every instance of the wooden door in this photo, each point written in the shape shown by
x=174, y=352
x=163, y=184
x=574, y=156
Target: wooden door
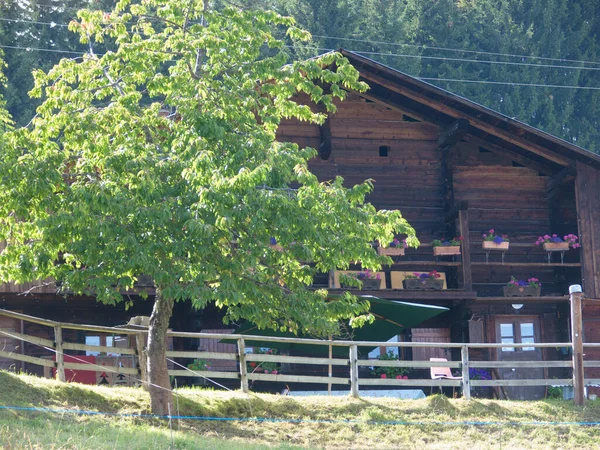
x=430, y=335
x=520, y=330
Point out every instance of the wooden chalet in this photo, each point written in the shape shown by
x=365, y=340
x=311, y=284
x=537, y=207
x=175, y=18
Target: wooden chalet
x=456, y=168
x=453, y=168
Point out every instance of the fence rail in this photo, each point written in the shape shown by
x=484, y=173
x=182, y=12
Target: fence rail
x=247, y=367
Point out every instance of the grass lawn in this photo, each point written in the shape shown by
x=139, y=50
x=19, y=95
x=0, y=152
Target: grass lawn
x=286, y=422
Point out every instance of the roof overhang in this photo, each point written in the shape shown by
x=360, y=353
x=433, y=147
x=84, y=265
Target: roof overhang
x=427, y=102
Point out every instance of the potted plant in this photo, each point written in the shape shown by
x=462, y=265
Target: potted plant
x=395, y=248
x=554, y=243
x=419, y=280
x=493, y=241
x=398, y=373
x=370, y=280
x=480, y=391
x=447, y=247
x=267, y=367
x=199, y=365
x=520, y=288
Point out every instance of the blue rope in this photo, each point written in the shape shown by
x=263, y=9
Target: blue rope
x=275, y=420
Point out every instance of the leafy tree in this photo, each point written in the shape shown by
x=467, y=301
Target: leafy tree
x=159, y=158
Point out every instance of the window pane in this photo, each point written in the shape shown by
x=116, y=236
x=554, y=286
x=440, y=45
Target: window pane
x=509, y=340
x=528, y=340
x=506, y=330
x=92, y=340
x=527, y=330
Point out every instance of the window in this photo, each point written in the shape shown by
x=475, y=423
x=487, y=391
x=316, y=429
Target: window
x=375, y=353
x=384, y=150
x=507, y=336
x=101, y=341
x=517, y=332
x=527, y=336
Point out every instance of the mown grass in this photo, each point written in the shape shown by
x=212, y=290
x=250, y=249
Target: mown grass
x=333, y=423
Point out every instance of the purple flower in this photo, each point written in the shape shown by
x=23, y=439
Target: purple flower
x=424, y=275
x=273, y=241
x=498, y=240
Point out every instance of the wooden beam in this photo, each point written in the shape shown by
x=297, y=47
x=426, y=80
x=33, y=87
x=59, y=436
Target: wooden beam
x=325, y=133
x=565, y=175
x=454, y=133
x=478, y=123
x=587, y=186
x=463, y=223
x=516, y=157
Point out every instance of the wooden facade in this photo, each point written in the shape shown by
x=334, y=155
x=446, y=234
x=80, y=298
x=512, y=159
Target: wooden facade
x=452, y=167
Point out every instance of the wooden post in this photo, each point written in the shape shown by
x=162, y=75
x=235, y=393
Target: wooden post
x=466, y=382
x=243, y=368
x=463, y=223
x=141, y=340
x=577, y=338
x=330, y=373
x=60, y=356
x=353, y=371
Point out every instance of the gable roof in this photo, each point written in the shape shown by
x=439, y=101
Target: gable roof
x=427, y=102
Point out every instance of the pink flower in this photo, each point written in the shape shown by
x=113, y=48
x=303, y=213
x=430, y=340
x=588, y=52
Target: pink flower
x=266, y=371
x=383, y=375
x=274, y=372
x=405, y=377
x=491, y=231
x=484, y=235
x=398, y=377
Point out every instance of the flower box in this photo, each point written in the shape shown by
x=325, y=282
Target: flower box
x=391, y=251
x=490, y=245
x=371, y=284
x=522, y=291
x=368, y=284
x=556, y=246
x=442, y=250
x=423, y=283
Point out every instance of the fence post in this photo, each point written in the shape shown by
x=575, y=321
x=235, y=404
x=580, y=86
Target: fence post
x=354, y=371
x=141, y=340
x=60, y=356
x=243, y=368
x=576, y=336
x=466, y=382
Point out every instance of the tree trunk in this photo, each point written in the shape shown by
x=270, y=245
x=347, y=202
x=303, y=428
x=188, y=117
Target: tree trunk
x=161, y=396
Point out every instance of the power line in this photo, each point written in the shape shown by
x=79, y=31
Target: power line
x=370, y=41
x=507, y=83
x=477, y=61
x=449, y=49
x=30, y=49
x=405, y=55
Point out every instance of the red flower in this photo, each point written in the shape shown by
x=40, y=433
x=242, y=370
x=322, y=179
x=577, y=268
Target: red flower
x=398, y=377
x=274, y=372
x=383, y=375
x=252, y=364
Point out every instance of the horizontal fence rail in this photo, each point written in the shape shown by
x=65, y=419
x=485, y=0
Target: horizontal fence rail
x=350, y=372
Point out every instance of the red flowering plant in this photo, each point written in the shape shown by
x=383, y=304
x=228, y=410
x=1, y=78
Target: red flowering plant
x=531, y=282
x=422, y=276
x=491, y=236
x=397, y=243
x=264, y=366
x=556, y=239
x=390, y=372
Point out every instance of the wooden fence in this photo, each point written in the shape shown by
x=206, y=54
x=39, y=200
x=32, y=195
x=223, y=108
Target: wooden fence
x=240, y=359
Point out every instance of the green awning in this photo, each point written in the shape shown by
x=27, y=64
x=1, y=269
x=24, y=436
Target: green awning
x=391, y=318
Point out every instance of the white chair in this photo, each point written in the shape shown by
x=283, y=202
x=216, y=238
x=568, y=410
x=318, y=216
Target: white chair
x=442, y=373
